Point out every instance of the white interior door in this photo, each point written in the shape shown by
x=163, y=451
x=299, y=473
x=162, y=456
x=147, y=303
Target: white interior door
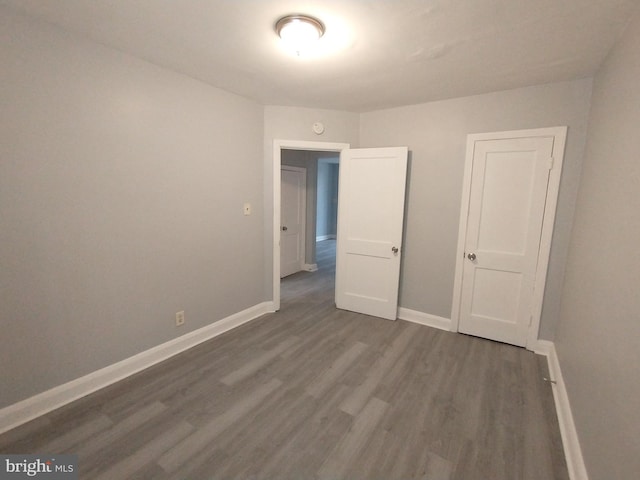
x=507, y=197
x=370, y=218
x=293, y=206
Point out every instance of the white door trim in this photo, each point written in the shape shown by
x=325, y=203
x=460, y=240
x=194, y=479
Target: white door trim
x=559, y=134
x=303, y=234
x=278, y=145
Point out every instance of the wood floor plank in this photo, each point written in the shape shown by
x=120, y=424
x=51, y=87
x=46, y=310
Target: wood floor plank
x=356, y=401
x=128, y=467
x=260, y=436
x=206, y=464
x=304, y=450
x=94, y=464
x=437, y=468
x=183, y=451
x=251, y=367
x=345, y=453
x=382, y=454
x=120, y=430
x=336, y=370
x=66, y=443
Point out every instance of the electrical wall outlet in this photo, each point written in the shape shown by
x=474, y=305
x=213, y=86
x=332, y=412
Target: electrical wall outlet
x=179, y=318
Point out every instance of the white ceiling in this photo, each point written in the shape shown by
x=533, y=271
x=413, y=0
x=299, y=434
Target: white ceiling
x=391, y=52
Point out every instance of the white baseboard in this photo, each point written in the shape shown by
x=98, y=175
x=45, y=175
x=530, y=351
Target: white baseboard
x=424, y=319
x=572, y=450
x=543, y=347
x=33, y=407
x=325, y=237
x=310, y=267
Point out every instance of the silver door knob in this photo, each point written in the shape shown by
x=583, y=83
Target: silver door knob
x=394, y=249
x=284, y=229
x=471, y=256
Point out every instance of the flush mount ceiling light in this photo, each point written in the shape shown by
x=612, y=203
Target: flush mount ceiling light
x=300, y=32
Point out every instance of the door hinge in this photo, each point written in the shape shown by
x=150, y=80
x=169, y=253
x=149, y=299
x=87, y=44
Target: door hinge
x=550, y=163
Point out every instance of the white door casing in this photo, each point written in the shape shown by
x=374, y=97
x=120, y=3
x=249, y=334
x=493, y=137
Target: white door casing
x=292, y=230
x=371, y=200
x=276, y=164
x=508, y=208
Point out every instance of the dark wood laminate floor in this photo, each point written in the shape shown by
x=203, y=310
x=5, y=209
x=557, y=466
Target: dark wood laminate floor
x=314, y=392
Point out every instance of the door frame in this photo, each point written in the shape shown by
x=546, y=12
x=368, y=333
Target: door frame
x=553, y=187
x=303, y=237
x=278, y=146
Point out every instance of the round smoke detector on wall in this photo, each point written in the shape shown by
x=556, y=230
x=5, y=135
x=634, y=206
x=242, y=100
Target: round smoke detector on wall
x=318, y=128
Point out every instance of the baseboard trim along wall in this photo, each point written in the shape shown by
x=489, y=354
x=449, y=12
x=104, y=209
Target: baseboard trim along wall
x=572, y=450
x=33, y=407
x=424, y=319
x=325, y=237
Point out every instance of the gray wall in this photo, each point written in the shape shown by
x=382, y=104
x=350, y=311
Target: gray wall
x=598, y=336
x=121, y=194
x=436, y=136
x=327, y=203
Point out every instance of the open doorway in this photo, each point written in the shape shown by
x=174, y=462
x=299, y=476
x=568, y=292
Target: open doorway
x=306, y=155
x=308, y=263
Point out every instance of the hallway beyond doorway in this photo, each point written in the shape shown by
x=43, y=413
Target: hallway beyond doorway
x=318, y=286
